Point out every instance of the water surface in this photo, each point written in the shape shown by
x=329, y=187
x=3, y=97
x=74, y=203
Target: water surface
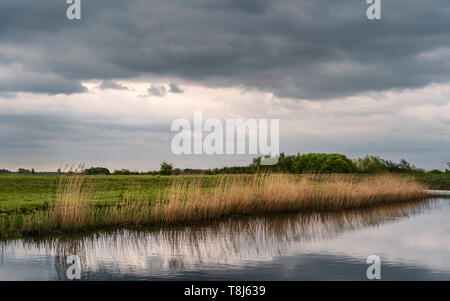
x=412, y=240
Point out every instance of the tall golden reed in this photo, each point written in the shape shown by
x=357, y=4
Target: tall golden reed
x=71, y=209
x=234, y=195
x=189, y=200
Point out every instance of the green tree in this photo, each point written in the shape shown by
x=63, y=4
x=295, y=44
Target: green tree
x=321, y=163
x=337, y=163
x=97, y=171
x=23, y=171
x=370, y=164
x=166, y=168
x=404, y=165
x=125, y=172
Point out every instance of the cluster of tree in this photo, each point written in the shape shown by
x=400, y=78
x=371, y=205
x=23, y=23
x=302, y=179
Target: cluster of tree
x=310, y=163
x=97, y=171
x=24, y=171
x=125, y=172
x=21, y=171
x=335, y=163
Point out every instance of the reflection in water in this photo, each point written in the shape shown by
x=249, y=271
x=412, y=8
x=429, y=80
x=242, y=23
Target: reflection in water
x=234, y=243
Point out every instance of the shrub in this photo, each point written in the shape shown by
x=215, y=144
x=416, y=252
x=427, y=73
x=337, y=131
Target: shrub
x=125, y=172
x=336, y=163
x=323, y=163
x=166, y=168
x=370, y=164
x=97, y=171
x=23, y=171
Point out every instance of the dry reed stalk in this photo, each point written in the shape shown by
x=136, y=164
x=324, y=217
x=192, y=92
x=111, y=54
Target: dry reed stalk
x=283, y=193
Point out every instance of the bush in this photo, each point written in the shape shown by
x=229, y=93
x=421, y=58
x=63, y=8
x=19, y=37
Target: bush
x=125, y=172
x=23, y=171
x=336, y=163
x=322, y=163
x=402, y=166
x=97, y=171
x=370, y=164
x=166, y=168
x=308, y=163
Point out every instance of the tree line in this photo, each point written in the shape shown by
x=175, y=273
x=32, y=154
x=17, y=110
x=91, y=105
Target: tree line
x=300, y=163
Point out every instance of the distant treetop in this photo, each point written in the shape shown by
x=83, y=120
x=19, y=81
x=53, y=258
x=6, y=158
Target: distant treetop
x=97, y=171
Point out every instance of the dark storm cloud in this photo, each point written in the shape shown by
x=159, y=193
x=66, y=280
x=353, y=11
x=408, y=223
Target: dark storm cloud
x=248, y=6
x=305, y=49
x=18, y=80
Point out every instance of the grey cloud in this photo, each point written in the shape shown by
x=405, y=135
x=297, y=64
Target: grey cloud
x=32, y=136
x=247, y=6
x=108, y=84
x=44, y=140
x=309, y=49
x=38, y=130
x=14, y=78
x=157, y=91
x=175, y=89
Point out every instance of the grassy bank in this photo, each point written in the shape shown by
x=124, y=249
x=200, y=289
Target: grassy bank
x=196, y=199
x=23, y=194
x=436, y=181
x=27, y=193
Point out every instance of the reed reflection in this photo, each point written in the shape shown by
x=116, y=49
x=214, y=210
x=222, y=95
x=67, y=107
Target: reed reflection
x=169, y=250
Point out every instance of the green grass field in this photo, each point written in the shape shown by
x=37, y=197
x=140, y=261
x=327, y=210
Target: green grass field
x=26, y=193
x=437, y=181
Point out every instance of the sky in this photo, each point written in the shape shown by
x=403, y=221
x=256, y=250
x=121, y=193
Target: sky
x=105, y=89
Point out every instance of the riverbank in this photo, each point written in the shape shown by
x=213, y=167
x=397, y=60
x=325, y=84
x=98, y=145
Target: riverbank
x=199, y=199
x=24, y=194
x=434, y=181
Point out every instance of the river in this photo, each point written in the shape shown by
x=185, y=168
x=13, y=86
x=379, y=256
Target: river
x=411, y=239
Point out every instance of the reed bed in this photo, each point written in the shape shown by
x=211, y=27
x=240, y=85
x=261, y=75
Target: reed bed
x=189, y=200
